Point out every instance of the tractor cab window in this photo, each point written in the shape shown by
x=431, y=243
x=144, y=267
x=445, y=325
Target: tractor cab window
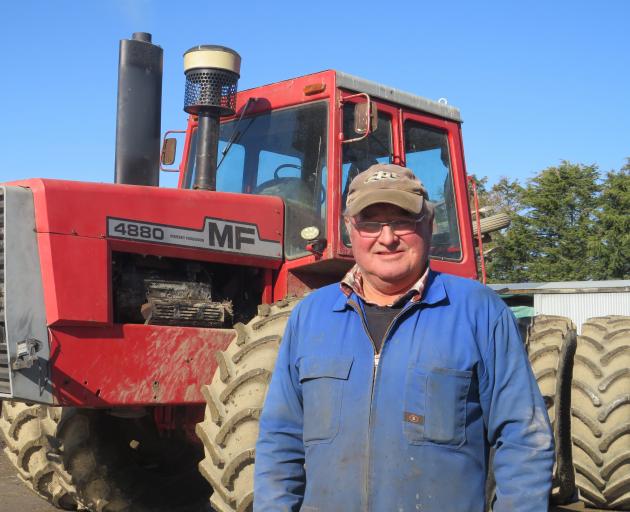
x=358, y=156
x=281, y=153
x=427, y=155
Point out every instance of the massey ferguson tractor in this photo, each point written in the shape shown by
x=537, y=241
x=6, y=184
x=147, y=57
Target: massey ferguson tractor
x=139, y=325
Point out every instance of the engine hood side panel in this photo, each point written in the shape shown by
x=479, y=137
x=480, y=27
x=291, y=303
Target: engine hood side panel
x=25, y=325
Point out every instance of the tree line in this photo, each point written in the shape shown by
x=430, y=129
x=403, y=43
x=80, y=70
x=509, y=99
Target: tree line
x=568, y=223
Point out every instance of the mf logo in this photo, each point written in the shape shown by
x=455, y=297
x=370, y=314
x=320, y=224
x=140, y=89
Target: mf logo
x=232, y=236
x=215, y=235
x=382, y=175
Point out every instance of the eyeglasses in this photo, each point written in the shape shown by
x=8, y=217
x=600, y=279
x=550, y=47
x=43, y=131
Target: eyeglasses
x=372, y=229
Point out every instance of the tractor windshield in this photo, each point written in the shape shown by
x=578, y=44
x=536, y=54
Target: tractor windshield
x=280, y=153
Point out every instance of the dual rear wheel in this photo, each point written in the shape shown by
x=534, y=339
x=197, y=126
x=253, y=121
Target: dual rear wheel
x=585, y=382
x=599, y=423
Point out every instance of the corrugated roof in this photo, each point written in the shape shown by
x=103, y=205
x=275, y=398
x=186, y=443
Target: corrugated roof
x=613, y=286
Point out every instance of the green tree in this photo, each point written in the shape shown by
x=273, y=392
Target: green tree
x=502, y=197
x=508, y=248
x=506, y=196
x=612, y=244
x=552, y=236
x=562, y=204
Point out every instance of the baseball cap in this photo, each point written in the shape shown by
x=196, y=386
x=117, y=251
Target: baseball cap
x=386, y=183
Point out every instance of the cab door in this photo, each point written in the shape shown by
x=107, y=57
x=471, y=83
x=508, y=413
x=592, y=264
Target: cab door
x=432, y=149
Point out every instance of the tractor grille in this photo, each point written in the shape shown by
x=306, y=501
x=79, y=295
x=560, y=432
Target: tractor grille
x=5, y=373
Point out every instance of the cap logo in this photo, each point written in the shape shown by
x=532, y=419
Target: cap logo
x=382, y=175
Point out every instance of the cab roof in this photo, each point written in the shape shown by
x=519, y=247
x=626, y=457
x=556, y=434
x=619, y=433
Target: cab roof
x=387, y=93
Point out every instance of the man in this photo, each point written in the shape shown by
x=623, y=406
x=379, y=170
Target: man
x=390, y=389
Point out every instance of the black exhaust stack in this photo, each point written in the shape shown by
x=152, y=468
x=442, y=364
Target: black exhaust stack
x=139, y=111
x=212, y=74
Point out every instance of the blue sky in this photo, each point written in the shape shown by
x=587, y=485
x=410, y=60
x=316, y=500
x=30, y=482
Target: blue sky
x=536, y=82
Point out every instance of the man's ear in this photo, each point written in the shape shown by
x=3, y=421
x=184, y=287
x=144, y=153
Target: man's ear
x=430, y=214
x=428, y=224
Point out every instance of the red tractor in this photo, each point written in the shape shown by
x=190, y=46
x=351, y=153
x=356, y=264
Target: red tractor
x=139, y=325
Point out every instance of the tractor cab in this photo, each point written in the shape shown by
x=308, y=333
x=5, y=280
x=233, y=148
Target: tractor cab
x=305, y=139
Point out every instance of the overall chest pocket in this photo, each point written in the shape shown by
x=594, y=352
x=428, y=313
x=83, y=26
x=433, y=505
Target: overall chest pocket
x=322, y=380
x=435, y=405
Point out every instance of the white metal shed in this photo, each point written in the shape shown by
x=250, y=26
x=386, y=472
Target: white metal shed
x=577, y=300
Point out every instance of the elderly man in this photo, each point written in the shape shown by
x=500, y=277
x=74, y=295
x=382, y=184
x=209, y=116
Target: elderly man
x=390, y=388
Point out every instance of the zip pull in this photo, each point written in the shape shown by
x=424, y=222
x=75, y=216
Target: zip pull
x=377, y=357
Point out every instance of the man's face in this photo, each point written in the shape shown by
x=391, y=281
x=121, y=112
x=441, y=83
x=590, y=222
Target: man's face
x=390, y=261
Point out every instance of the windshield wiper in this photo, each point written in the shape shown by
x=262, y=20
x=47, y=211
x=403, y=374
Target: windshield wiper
x=236, y=135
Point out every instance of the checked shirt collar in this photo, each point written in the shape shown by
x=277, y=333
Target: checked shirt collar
x=353, y=282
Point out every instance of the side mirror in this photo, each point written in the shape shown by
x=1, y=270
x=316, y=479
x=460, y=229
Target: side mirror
x=169, y=148
x=365, y=117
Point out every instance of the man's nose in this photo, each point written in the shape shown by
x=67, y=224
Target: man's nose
x=387, y=236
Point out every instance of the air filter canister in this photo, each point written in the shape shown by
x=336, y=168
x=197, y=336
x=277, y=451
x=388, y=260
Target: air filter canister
x=212, y=74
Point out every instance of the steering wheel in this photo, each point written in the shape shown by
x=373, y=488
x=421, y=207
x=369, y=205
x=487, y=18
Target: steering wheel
x=292, y=189
x=285, y=166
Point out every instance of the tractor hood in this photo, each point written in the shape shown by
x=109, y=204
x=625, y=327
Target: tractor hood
x=79, y=226
x=225, y=227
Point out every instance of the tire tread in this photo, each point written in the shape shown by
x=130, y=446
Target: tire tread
x=234, y=403
x=601, y=412
x=32, y=446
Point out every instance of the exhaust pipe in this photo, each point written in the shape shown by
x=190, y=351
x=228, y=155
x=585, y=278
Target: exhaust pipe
x=212, y=74
x=139, y=111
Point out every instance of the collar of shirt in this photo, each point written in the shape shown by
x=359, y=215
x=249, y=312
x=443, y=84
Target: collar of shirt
x=353, y=282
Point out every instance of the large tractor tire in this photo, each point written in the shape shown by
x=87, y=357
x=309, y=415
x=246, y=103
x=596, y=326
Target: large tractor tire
x=122, y=464
x=601, y=412
x=29, y=432
x=551, y=345
x=92, y=460
x=234, y=403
